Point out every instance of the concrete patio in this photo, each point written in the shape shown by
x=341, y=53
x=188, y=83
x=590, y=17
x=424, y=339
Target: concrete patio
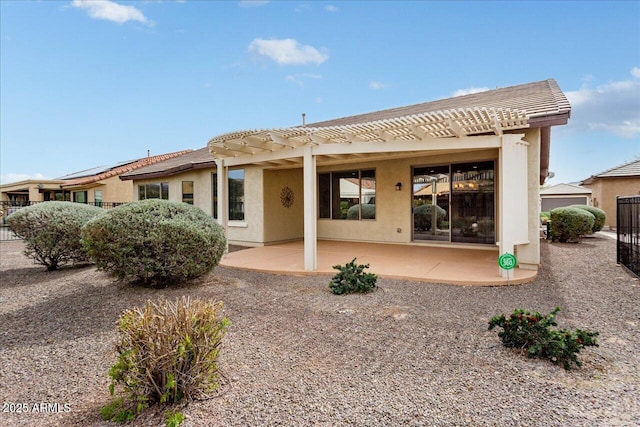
x=457, y=266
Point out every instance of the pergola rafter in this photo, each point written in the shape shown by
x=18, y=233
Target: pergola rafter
x=456, y=123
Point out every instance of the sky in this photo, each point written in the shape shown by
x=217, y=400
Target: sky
x=91, y=83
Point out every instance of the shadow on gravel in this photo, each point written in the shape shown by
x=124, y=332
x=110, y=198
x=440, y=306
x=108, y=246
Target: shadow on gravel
x=92, y=310
x=37, y=274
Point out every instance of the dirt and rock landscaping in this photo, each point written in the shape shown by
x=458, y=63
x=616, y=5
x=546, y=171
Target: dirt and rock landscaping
x=406, y=354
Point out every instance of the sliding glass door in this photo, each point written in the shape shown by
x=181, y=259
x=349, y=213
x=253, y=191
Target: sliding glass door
x=431, y=203
x=454, y=203
x=473, y=203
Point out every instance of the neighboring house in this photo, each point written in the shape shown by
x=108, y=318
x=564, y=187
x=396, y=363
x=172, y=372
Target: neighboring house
x=487, y=153
x=623, y=180
x=561, y=195
x=102, y=184
x=188, y=178
x=96, y=185
x=23, y=193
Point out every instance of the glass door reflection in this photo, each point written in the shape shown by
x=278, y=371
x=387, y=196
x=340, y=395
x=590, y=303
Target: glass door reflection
x=431, y=190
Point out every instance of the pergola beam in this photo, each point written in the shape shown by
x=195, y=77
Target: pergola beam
x=287, y=142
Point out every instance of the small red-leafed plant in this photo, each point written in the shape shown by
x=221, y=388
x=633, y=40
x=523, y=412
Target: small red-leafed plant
x=532, y=333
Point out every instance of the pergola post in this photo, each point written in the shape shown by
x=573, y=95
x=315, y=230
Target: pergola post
x=513, y=206
x=310, y=202
x=223, y=197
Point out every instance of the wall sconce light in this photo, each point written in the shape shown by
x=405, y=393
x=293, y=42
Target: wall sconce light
x=399, y=186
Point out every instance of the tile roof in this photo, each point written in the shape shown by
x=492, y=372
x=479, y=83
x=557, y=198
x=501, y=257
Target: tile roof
x=631, y=168
x=537, y=99
x=196, y=159
x=119, y=169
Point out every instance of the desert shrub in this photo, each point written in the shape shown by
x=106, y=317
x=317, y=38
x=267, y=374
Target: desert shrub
x=352, y=278
x=174, y=418
x=532, y=332
x=51, y=231
x=155, y=242
x=600, y=216
x=368, y=211
x=423, y=215
x=568, y=224
x=167, y=352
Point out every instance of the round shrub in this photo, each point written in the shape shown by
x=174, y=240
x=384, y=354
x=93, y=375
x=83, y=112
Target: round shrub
x=155, y=242
x=600, y=216
x=568, y=224
x=423, y=214
x=368, y=211
x=51, y=231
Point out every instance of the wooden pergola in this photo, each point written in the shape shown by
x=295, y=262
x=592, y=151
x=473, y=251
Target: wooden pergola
x=439, y=131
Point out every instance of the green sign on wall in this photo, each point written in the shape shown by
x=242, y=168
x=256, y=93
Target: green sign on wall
x=507, y=261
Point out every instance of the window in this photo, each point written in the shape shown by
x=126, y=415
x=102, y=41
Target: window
x=236, y=195
x=187, y=192
x=97, y=197
x=349, y=195
x=154, y=191
x=80, y=196
x=214, y=190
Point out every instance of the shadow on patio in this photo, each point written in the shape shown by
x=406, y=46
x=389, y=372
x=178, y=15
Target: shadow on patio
x=458, y=266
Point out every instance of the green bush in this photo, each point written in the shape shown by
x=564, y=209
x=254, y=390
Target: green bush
x=368, y=212
x=600, y=216
x=544, y=217
x=167, y=352
x=532, y=332
x=352, y=278
x=568, y=224
x=51, y=231
x=423, y=215
x=155, y=242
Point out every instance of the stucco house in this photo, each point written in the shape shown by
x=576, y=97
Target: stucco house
x=22, y=193
x=189, y=177
x=561, y=195
x=96, y=185
x=622, y=180
x=103, y=184
x=483, y=157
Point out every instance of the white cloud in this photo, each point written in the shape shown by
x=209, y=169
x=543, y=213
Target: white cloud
x=287, y=51
x=377, y=85
x=469, y=91
x=330, y=8
x=299, y=78
x=8, y=178
x=252, y=3
x=612, y=107
x=111, y=11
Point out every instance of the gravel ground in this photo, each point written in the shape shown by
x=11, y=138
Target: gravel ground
x=407, y=354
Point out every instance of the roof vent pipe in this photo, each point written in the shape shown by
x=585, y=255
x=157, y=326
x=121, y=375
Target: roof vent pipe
x=303, y=119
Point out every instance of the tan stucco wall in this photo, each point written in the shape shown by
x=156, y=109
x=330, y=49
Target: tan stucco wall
x=529, y=254
x=605, y=190
x=393, y=208
x=250, y=232
x=114, y=190
x=282, y=223
x=202, y=187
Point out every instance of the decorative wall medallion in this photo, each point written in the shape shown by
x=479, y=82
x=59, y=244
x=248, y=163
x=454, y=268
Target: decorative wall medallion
x=286, y=197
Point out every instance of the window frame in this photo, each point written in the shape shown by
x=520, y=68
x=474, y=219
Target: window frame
x=327, y=194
